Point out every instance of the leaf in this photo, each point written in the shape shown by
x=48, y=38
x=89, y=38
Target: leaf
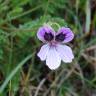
x=14, y=72
x=16, y=11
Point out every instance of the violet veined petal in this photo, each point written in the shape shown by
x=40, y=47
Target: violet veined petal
x=53, y=59
x=68, y=34
x=43, y=52
x=65, y=53
x=42, y=30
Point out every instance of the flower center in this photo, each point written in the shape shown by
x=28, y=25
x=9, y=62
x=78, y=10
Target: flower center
x=48, y=36
x=60, y=37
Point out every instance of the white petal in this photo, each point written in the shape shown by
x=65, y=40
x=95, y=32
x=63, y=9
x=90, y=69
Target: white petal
x=65, y=53
x=53, y=59
x=43, y=52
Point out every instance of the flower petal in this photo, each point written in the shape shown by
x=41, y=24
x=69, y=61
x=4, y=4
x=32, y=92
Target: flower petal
x=65, y=53
x=42, y=30
x=53, y=59
x=43, y=52
x=68, y=34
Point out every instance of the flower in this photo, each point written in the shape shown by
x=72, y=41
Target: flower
x=54, y=50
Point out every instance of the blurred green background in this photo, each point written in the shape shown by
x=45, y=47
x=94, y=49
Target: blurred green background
x=21, y=71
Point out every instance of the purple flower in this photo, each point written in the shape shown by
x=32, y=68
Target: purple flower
x=54, y=50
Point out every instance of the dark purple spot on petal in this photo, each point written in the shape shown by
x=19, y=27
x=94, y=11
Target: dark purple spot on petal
x=48, y=36
x=60, y=37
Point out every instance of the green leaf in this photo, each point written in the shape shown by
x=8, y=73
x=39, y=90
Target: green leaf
x=15, y=12
x=14, y=72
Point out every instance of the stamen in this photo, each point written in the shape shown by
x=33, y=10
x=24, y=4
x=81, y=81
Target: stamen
x=60, y=37
x=48, y=36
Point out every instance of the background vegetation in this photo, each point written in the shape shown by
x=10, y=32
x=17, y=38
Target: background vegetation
x=21, y=71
